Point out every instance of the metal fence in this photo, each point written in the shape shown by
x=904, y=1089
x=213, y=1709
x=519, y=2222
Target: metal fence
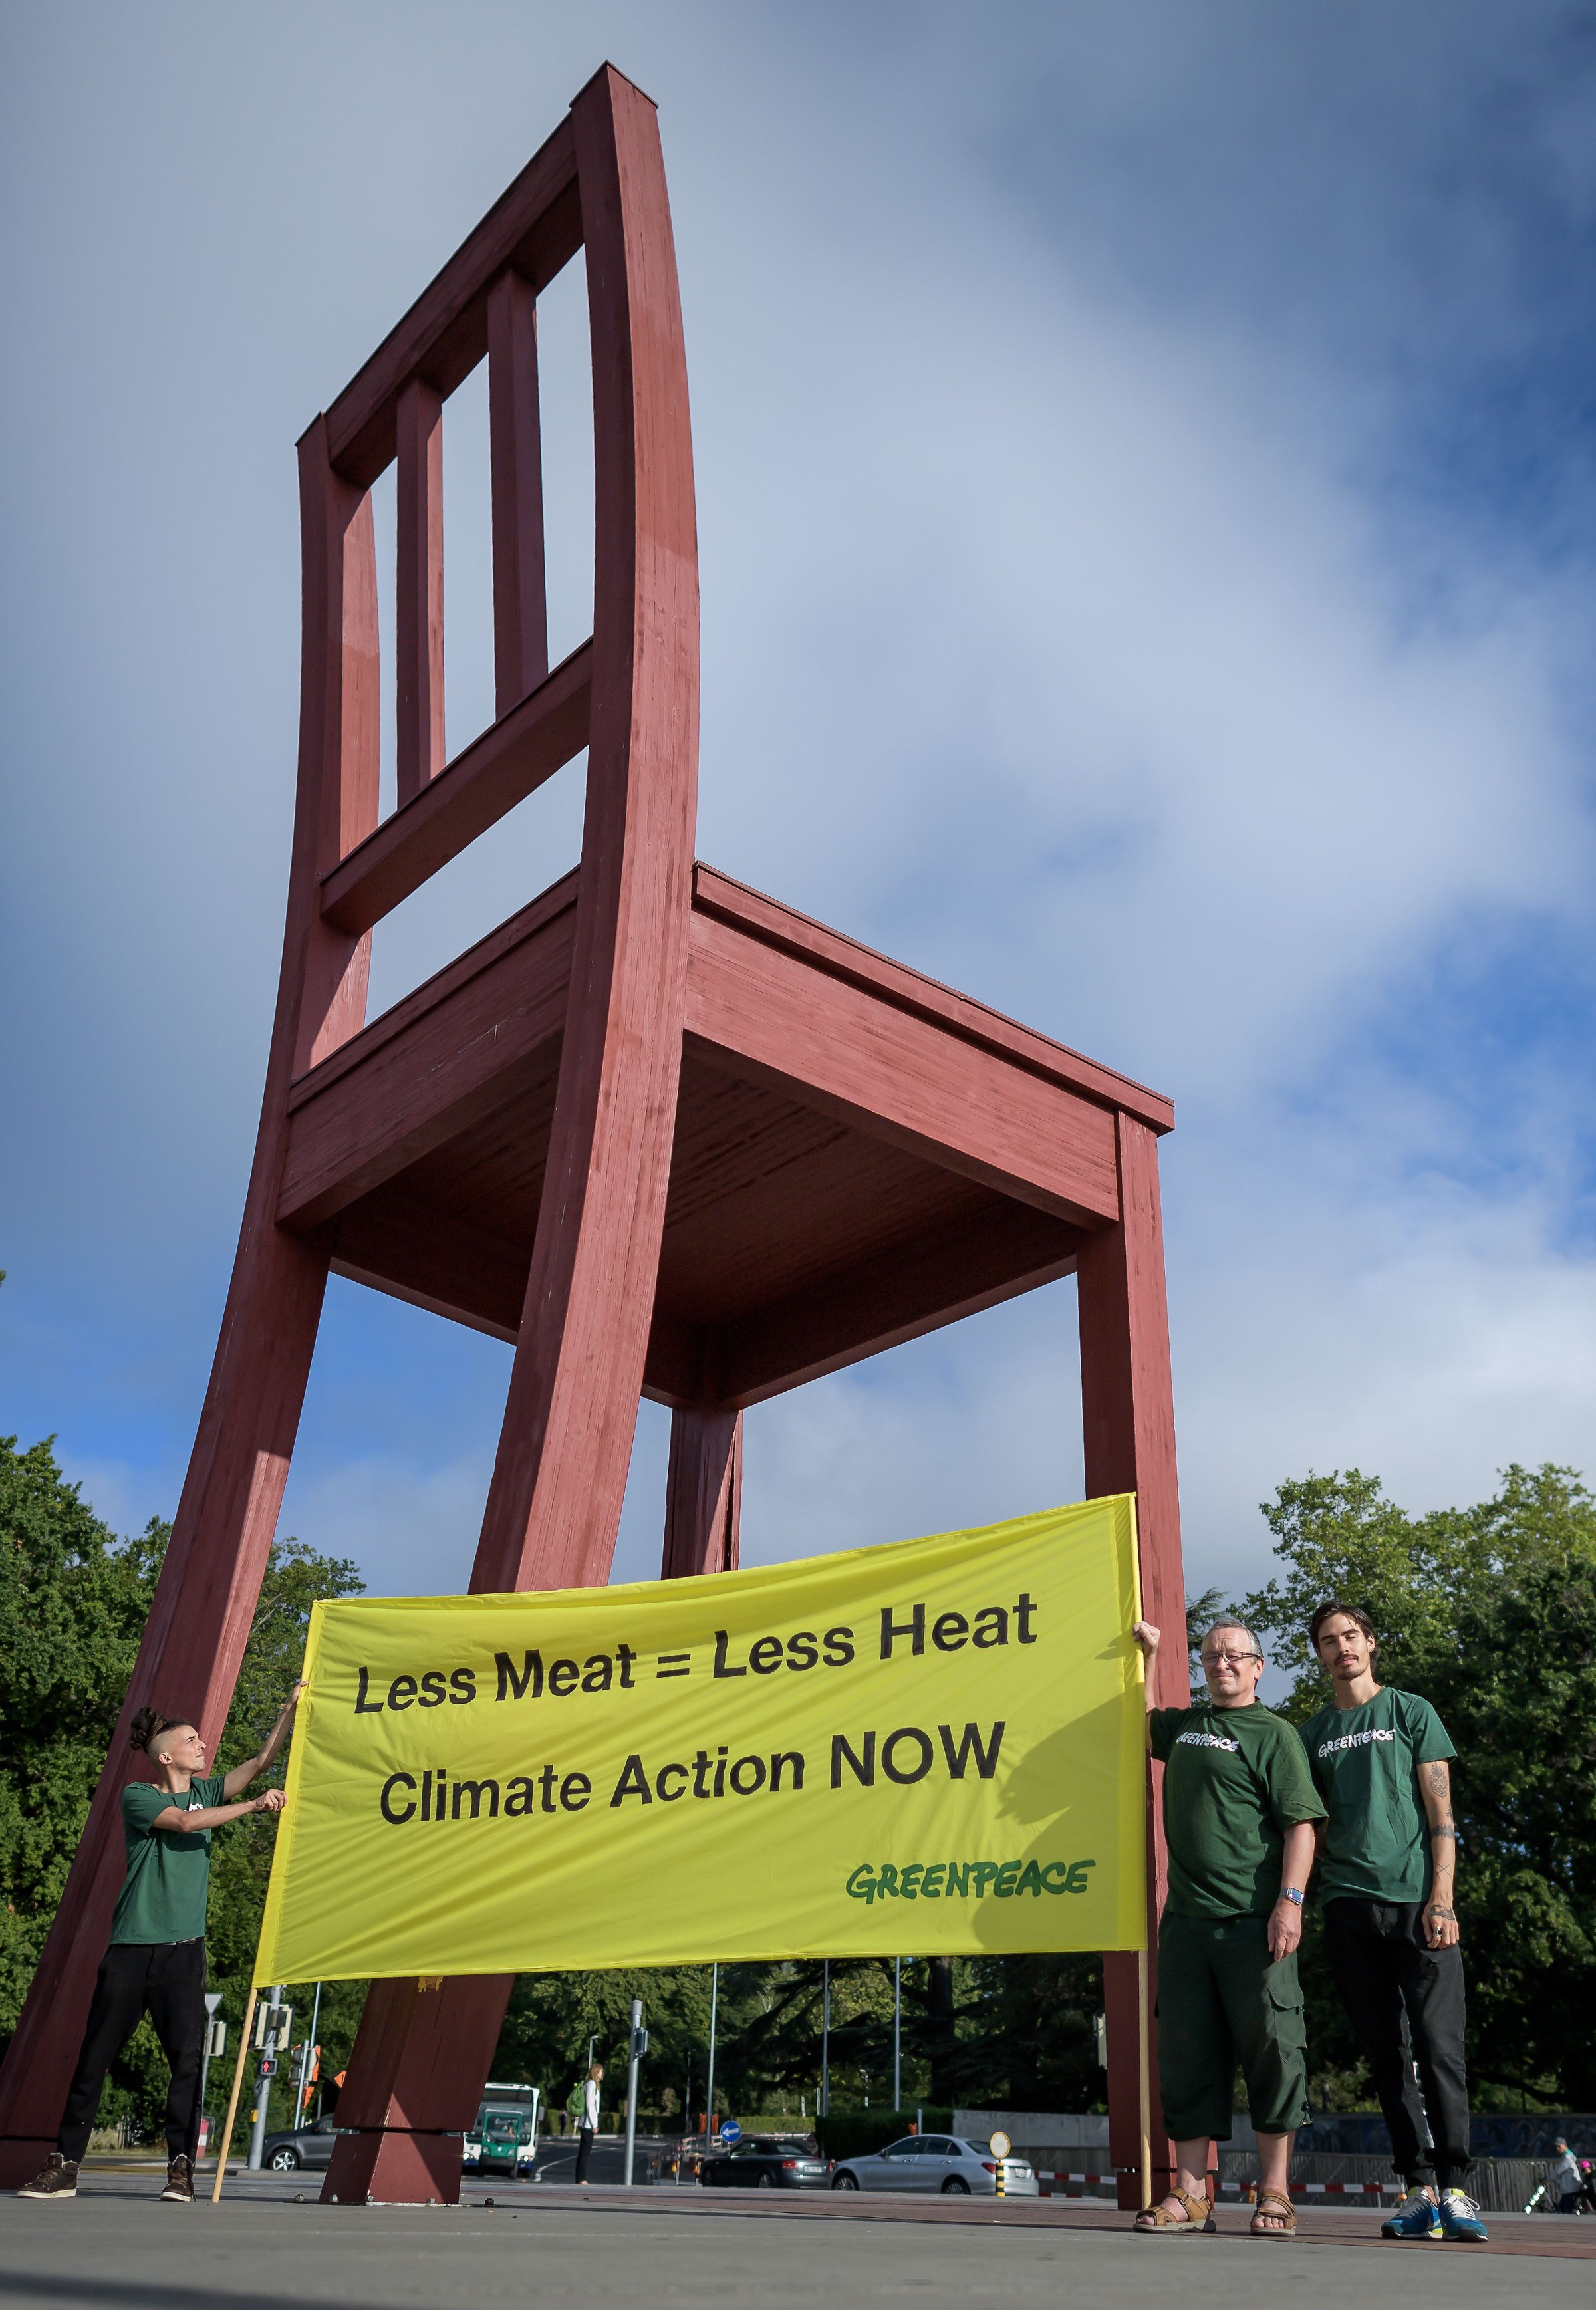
x=1503, y=2186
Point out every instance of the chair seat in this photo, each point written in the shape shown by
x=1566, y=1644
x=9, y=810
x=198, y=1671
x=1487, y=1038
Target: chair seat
x=859, y=1154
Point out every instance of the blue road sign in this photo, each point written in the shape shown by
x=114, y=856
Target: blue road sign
x=731, y=2131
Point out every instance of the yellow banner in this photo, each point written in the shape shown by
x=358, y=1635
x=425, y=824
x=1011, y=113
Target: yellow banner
x=934, y=1744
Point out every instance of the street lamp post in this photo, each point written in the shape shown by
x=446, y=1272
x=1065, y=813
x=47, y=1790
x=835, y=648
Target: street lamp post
x=826, y=2039
x=709, y=2087
x=897, y=2033
x=640, y=2047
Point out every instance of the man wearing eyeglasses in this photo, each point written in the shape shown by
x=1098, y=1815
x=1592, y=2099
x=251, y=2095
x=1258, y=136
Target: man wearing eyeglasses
x=1239, y=1810
x=1381, y=1760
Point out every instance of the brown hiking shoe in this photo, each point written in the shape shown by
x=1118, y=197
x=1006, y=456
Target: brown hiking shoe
x=59, y=2179
x=179, y=2182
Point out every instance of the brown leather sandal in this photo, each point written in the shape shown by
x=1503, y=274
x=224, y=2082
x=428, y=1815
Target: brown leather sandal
x=1274, y=2201
x=1153, y=2221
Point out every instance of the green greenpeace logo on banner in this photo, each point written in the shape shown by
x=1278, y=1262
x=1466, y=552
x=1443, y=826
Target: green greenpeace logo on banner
x=960, y=1880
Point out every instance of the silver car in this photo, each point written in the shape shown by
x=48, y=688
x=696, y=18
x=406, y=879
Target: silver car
x=302, y=2145
x=937, y=2161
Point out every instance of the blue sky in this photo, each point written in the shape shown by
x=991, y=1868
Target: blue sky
x=1146, y=501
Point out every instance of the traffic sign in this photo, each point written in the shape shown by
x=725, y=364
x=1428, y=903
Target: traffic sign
x=731, y=2131
x=1000, y=2145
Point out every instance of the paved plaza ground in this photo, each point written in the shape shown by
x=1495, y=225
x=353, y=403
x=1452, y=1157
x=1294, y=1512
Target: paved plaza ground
x=116, y=2247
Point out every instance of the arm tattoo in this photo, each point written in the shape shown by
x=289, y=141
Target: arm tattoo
x=1440, y=1793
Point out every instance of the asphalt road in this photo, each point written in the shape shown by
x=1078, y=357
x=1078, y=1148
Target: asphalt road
x=116, y=2247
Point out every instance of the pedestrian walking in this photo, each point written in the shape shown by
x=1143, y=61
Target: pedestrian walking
x=588, y=2119
x=1381, y=1760
x=1566, y=2178
x=155, y=1963
x=1239, y=1810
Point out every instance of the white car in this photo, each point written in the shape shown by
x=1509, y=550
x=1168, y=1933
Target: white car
x=937, y=2161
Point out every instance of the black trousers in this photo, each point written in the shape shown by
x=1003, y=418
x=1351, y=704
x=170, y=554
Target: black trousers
x=1405, y=2001
x=166, y=1980
x=584, y=2150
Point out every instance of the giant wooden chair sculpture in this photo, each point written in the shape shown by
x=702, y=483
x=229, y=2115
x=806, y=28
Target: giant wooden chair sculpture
x=664, y=1134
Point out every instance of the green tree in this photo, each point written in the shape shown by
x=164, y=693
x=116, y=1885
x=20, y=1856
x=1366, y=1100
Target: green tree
x=1490, y=1612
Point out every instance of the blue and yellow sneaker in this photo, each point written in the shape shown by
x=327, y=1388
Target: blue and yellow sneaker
x=1417, y=2216
x=1460, y=2218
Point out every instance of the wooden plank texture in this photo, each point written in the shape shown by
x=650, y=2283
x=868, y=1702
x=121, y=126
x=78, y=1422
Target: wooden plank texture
x=565, y=1444
x=520, y=612
x=703, y=1492
x=835, y=954
x=456, y=1059
x=496, y=771
x=976, y=1262
x=1128, y=1407
x=397, y=1243
x=895, y=1073
x=419, y=590
x=535, y=226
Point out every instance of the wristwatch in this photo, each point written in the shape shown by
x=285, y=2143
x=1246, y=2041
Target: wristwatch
x=1290, y=1893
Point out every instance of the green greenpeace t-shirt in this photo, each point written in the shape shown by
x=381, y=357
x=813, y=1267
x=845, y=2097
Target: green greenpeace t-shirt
x=1365, y=1766
x=1237, y=1781
x=169, y=1870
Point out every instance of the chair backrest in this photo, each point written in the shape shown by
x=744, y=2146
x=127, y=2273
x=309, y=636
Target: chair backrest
x=629, y=694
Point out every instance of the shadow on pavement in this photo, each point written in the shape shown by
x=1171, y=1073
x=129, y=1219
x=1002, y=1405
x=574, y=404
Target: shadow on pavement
x=138, y=2294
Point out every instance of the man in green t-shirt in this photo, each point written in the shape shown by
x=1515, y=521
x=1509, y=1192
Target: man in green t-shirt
x=1239, y=1810
x=1381, y=1760
x=156, y=1961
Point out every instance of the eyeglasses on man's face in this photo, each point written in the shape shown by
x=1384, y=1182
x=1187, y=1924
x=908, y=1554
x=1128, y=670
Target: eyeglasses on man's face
x=1228, y=1659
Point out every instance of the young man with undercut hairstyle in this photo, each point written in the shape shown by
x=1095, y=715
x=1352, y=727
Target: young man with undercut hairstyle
x=1380, y=1759
x=156, y=1961
x=1239, y=1810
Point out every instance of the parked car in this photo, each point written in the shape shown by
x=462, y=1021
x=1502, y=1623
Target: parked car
x=764, y=2163
x=937, y=2161
x=304, y=2145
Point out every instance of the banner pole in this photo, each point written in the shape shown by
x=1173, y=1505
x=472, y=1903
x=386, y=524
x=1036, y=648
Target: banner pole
x=1143, y=2091
x=232, y=2104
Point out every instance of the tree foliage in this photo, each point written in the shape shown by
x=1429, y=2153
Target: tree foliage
x=1489, y=1611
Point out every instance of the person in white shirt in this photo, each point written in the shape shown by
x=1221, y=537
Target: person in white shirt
x=587, y=2124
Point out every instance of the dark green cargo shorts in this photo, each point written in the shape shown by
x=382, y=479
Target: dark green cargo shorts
x=1223, y=2000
